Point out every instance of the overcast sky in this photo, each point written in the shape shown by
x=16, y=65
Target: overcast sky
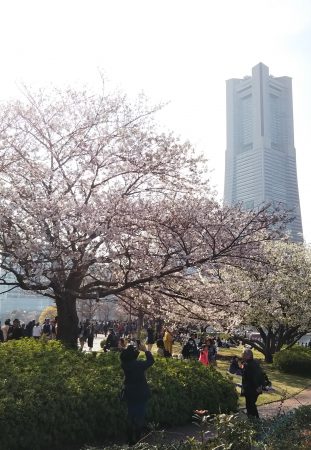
x=175, y=51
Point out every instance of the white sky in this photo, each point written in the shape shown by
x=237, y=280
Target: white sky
x=175, y=51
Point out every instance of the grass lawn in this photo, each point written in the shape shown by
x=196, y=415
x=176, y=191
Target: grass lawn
x=283, y=384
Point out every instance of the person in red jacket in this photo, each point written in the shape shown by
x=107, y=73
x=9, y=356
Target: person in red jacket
x=203, y=358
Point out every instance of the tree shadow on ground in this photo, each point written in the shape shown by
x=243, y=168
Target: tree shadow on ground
x=295, y=381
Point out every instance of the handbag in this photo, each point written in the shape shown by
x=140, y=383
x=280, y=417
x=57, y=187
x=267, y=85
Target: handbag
x=122, y=394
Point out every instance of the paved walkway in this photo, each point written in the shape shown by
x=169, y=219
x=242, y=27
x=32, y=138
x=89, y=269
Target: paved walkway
x=265, y=411
x=272, y=409
x=96, y=343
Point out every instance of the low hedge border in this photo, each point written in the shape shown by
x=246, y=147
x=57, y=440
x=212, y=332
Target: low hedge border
x=51, y=397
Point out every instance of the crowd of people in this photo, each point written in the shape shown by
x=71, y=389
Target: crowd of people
x=305, y=344
x=17, y=330
x=194, y=345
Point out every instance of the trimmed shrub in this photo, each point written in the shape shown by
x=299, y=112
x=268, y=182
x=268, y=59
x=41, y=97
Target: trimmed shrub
x=295, y=360
x=281, y=432
x=303, y=416
x=180, y=387
x=51, y=397
x=287, y=431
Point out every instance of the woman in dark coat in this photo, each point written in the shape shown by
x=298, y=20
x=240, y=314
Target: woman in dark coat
x=90, y=336
x=136, y=389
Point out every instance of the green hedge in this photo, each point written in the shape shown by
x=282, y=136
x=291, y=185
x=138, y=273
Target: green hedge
x=51, y=397
x=295, y=360
x=179, y=387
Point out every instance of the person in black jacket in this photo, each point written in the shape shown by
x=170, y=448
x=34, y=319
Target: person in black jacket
x=150, y=338
x=235, y=367
x=112, y=341
x=252, y=382
x=17, y=331
x=136, y=389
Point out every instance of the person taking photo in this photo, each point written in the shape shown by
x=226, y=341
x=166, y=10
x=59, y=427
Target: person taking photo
x=136, y=389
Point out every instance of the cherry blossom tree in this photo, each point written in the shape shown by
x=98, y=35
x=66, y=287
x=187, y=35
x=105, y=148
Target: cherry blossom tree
x=49, y=312
x=270, y=295
x=96, y=201
x=275, y=298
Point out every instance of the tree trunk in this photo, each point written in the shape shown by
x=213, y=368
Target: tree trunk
x=262, y=347
x=269, y=348
x=273, y=340
x=140, y=319
x=67, y=323
x=268, y=355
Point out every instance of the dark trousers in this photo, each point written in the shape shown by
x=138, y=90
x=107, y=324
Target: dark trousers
x=136, y=420
x=251, y=408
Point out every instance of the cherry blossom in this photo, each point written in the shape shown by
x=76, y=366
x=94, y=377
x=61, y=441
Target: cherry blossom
x=96, y=201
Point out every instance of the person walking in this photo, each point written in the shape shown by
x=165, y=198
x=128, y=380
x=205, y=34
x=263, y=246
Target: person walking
x=168, y=340
x=90, y=336
x=82, y=334
x=252, y=382
x=136, y=389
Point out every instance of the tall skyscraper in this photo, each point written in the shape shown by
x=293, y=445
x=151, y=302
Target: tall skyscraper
x=260, y=155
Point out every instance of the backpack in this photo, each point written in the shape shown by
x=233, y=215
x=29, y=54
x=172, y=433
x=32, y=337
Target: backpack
x=262, y=380
x=266, y=382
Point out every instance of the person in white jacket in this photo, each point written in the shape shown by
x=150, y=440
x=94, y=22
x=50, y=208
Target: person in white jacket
x=37, y=331
x=5, y=329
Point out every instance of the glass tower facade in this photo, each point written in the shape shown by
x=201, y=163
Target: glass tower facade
x=260, y=154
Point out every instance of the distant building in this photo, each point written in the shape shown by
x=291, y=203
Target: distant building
x=260, y=154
